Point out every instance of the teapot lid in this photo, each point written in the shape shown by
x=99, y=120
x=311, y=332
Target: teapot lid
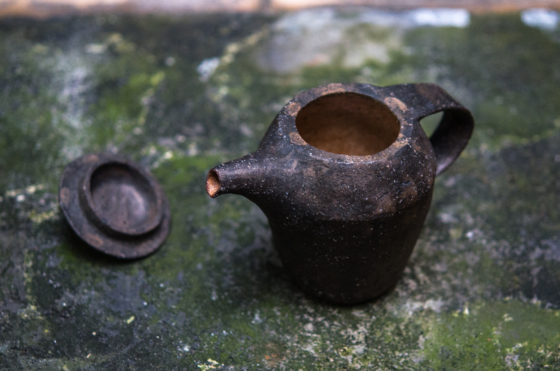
x=114, y=205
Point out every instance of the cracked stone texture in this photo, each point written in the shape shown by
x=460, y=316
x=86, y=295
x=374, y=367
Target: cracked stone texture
x=180, y=94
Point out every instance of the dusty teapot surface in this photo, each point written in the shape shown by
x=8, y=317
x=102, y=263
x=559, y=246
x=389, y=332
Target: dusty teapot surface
x=345, y=176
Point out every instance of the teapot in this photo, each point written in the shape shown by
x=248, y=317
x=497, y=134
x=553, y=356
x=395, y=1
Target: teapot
x=345, y=175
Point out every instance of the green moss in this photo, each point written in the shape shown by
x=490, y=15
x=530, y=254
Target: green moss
x=31, y=128
x=494, y=336
x=508, y=99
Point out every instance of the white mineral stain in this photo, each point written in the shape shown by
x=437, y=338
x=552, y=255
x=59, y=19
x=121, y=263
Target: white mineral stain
x=29, y=190
x=169, y=61
x=540, y=18
x=193, y=149
x=210, y=365
x=96, y=48
x=41, y=217
x=73, y=71
x=207, y=67
x=351, y=36
x=442, y=17
x=257, y=318
x=412, y=306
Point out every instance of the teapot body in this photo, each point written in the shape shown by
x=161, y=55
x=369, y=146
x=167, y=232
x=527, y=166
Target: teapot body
x=345, y=176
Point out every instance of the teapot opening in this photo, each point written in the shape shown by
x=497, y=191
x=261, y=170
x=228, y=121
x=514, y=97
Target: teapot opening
x=348, y=123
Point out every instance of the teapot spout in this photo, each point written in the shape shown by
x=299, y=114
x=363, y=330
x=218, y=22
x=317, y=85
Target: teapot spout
x=243, y=176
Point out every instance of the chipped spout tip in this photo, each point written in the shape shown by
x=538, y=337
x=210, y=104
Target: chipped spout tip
x=243, y=176
x=213, y=184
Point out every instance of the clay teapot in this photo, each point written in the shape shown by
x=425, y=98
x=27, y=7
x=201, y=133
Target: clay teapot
x=345, y=176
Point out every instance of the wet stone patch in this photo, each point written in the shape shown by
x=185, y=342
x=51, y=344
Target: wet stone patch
x=180, y=94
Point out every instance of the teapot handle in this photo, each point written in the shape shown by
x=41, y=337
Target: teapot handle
x=455, y=128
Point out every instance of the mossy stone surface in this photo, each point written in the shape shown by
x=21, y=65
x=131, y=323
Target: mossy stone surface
x=180, y=94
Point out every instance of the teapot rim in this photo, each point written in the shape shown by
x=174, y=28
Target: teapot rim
x=288, y=129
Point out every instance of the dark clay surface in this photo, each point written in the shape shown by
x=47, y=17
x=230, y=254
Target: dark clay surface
x=180, y=94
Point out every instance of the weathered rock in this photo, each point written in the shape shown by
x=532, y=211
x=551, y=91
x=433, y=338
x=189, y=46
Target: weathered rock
x=480, y=291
